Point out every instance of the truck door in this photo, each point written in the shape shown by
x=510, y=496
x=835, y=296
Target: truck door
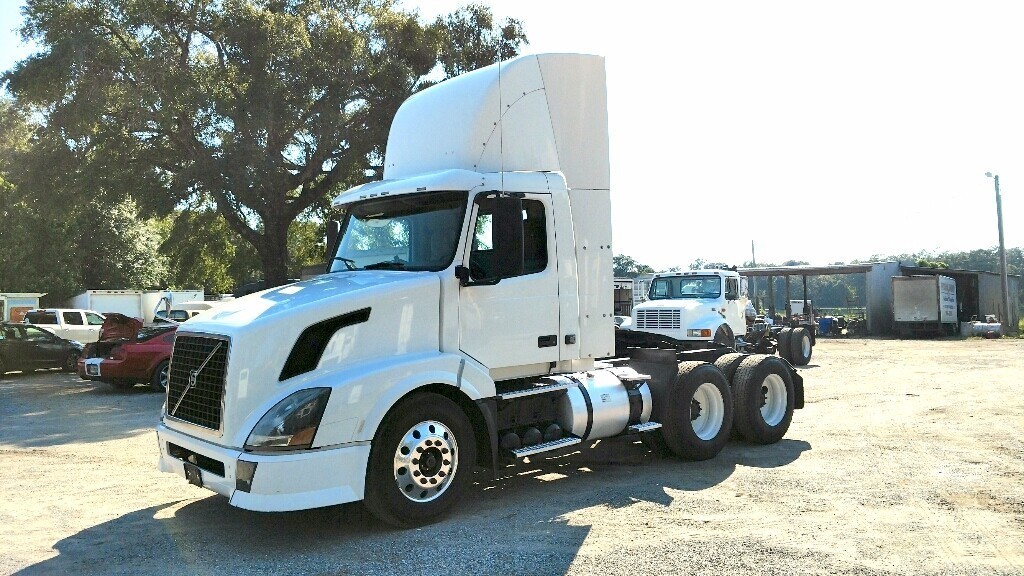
x=734, y=306
x=513, y=322
x=75, y=327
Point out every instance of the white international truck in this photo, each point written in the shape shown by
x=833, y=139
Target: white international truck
x=706, y=309
x=924, y=305
x=462, y=322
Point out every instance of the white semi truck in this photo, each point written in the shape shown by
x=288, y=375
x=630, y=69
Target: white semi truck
x=708, y=308
x=461, y=323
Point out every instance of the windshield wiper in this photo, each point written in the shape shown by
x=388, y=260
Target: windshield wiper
x=349, y=263
x=386, y=265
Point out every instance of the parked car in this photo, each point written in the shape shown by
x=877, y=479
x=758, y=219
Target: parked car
x=129, y=353
x=25, y=347
x=69, y=323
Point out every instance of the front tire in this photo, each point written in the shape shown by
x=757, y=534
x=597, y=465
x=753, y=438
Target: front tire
x=725, y=337
x=699, y=415
x=420, y=462
x=763, y=393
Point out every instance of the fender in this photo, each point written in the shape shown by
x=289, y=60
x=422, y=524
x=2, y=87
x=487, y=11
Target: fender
x=362, y=394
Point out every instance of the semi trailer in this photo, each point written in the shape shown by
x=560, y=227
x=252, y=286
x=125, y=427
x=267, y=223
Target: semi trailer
x=466, y=320
x=924, y=305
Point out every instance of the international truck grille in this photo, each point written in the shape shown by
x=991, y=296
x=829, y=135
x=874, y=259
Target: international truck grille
x=657, y=319
x=195, y=386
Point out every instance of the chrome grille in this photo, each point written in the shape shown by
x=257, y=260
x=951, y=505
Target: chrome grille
x=658, y=319
x=205, y=360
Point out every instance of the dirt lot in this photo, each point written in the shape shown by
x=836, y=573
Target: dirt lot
x=909, y=459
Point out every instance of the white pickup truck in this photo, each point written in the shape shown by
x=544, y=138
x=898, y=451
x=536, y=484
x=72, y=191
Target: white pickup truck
x=68, y=323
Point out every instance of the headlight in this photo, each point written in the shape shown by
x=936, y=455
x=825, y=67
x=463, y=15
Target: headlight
x=291, y=424
x=698, y=333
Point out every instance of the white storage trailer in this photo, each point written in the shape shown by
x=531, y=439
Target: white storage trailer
x=924, y=305
x=133, y=303
x=468, y=332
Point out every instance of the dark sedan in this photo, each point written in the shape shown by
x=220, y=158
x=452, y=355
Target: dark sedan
x=24, y=347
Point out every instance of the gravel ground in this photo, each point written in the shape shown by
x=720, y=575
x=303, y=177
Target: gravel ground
x=908, y=459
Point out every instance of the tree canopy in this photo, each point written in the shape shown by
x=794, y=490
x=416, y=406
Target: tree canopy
x=266, y=107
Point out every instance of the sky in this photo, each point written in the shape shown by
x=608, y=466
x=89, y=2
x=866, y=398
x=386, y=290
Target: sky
x=820, y=131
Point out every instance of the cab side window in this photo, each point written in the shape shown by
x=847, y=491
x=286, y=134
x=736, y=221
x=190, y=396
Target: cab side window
x=535, y=240
x=732, y=289
x=94, y=319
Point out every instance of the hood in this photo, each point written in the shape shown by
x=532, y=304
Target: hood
x=401, y=315
x=283, y=302
x=117, y=326
x=684, y=304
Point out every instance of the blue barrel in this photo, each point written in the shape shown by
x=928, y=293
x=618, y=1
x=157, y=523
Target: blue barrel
x=825, y=325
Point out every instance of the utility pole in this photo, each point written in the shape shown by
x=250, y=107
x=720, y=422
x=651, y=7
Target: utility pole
x=1005, y=317
x=753, y=279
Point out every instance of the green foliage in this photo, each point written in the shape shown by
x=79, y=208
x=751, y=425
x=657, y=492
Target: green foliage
x=267, y=107
x=626, y=267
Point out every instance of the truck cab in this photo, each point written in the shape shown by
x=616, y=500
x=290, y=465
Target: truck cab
x=695, y=307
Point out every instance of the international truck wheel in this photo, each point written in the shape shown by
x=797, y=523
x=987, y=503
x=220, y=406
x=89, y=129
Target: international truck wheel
x=158, y=382
x=763, y=394
x=420, y=462
x=785, y=346
x=725, y=337
x=800, y=347
x=699, y=412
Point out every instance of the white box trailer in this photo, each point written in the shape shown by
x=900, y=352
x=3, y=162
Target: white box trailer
x=133, y=303
x=924, y=305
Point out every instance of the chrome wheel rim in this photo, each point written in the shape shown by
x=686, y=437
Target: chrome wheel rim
x=164, y=374
x=805, y=346
x=425, y=461
x=773, y=399
x=707, y=410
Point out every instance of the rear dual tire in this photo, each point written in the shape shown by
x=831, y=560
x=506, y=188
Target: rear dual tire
x=763, y=396
x=698, y=415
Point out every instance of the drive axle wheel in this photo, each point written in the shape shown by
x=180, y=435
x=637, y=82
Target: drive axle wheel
x=801, y=346
x=698, y=417
x=420, y=461
x=763, y=390
x=785, y=345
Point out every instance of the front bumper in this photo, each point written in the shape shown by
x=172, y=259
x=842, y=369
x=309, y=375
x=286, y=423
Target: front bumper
x=282, y=482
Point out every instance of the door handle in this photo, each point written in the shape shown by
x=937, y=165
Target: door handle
x=547, y=341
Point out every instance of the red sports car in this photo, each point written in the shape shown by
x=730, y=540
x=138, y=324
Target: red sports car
x=126, y=360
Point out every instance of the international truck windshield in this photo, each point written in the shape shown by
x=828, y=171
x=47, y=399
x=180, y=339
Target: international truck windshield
x=685, y=287
x=408, y=232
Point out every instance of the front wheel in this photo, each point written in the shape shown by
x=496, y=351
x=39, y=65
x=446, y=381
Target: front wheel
x=420, y=462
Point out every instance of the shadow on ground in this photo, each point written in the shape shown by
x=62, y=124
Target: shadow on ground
x=515, y=524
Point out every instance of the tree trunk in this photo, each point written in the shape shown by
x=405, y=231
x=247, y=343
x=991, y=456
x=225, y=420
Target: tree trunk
x=273, y=253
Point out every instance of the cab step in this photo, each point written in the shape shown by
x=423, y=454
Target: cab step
x=645, y=427
x=546, y=446
x=513, y=394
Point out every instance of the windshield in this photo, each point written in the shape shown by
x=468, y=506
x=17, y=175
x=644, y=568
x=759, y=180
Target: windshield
x=685, y=287
x=410, y=232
